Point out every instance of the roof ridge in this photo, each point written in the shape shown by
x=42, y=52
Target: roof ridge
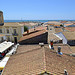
x=44, y=59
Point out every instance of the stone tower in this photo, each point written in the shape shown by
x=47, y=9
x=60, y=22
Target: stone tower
x=1, y=18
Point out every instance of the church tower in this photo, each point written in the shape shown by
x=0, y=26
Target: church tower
x=1, y=18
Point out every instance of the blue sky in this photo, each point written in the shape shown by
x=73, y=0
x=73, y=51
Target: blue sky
x=38, y=9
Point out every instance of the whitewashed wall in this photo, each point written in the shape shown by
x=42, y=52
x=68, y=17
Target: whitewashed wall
x=22, y=30
x=63, y=37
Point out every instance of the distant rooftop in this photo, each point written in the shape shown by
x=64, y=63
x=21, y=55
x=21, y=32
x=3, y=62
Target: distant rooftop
x=57, y=30
x=72, y=29
x=54, y=22
x=69, y=35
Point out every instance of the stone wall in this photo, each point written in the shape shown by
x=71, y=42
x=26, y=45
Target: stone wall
x=36, y=40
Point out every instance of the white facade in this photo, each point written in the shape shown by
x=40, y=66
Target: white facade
x=62, y=36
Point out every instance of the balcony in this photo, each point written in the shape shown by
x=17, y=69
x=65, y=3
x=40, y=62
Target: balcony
x=15, y=34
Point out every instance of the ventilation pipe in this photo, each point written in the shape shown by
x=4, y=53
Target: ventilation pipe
x=59, y=50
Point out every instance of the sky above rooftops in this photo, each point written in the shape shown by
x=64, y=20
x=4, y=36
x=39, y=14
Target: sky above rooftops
x=38, y=9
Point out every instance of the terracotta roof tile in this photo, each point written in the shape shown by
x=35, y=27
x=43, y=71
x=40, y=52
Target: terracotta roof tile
x=36, y=29
x=69, y=35
x=72, y=49
x=31, y=35
x=53, y=37
x=34, y=62
x=57, y=30
x=72, y=29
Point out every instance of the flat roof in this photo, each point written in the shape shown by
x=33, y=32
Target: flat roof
x=5, y=45
x=12, y=24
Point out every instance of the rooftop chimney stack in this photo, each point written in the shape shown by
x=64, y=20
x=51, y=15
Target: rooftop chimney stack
x=27, y=31
x=59, y=50
x=1, y=18
x=41, y=44
x=51, y=43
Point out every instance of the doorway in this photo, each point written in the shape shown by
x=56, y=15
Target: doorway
x=15, y=39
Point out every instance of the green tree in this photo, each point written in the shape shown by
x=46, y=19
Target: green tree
x=25, y=28
x=62, y=25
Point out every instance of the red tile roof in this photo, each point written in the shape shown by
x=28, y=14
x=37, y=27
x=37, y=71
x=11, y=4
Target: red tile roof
x=57, y=30
x=72, y=29
x=32, y=34
x=36, y=29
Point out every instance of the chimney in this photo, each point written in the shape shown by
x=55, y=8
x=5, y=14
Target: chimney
x=59, y=50
x=41, y=44
x=34, y=27
x=51, y=43
x=27, y=31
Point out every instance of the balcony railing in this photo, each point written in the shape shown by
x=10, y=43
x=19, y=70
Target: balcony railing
x=15, y=34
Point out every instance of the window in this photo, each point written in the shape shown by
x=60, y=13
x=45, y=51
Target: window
x=2, y=39
x=7, y=30
x=8, y=38
x=50, y=28
x=0, y=30
x=14, y=30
